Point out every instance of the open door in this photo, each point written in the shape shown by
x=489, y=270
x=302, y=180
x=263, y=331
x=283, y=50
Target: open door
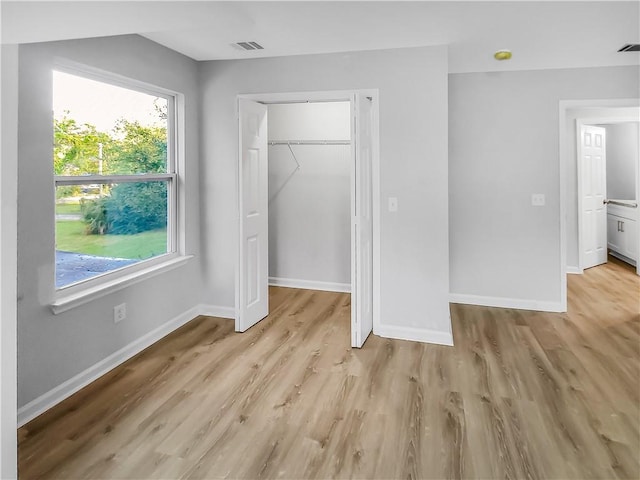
x=362, y=222
x=593, y=182
x=253, y=264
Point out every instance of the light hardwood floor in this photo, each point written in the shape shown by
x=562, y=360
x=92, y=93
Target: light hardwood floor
x=521, y=395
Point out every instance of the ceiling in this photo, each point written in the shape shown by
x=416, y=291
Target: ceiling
x=542, y=34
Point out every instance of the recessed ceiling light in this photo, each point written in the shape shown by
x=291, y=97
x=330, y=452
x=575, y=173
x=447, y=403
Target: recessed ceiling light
x=502, y=55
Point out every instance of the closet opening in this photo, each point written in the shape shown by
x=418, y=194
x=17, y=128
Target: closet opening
x=305, y=197
x=309, y=150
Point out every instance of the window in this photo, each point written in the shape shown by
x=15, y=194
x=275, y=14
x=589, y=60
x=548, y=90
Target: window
x=115, y=177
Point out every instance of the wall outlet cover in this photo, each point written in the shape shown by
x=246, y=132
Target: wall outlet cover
x=538, y=200
x=119, y=312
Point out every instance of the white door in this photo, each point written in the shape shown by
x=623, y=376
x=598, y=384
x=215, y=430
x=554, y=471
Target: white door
x=593, y=178
x=362, y=223
x=252, y=276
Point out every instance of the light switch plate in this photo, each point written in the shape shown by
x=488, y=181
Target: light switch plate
x=538, y=200
x=393, y=204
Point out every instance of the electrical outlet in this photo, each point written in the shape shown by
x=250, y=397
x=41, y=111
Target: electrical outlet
x=119, y=312
x=538, y=200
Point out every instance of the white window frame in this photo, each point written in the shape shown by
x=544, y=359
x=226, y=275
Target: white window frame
x=77, y=293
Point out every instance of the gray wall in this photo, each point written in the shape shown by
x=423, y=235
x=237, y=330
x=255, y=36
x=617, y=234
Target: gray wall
x=413, y=155
x=309, y=208
x=622, y=158
x=54, y=348
x=503, y=146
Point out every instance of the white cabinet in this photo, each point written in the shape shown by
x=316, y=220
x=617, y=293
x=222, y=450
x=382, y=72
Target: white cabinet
x=622, y=233
x=614, y=235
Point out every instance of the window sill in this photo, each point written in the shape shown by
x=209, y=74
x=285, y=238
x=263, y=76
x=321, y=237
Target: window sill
x=64, y=303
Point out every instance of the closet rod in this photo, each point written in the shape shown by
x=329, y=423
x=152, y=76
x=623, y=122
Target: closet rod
x=309, y=142
x=622, y=203
x=288, y=102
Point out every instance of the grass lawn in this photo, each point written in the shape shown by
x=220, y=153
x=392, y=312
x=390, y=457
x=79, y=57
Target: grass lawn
x=68, y=208
x=70, y=237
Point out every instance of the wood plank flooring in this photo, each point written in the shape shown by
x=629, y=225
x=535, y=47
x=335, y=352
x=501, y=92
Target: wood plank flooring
x=521, y=395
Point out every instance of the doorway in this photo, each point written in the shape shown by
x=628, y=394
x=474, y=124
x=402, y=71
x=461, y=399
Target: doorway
x=359, y=137
x=608, y=160
x=568, y=113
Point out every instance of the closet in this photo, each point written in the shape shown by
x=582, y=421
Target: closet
x=309, y=150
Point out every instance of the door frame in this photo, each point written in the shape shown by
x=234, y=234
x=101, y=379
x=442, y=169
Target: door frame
x=330, y=96
x=566, y=137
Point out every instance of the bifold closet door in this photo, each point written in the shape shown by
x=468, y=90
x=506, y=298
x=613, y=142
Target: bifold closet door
x=362, y=224
x=252, y=299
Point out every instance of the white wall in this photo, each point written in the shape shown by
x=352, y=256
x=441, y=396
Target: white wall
x=413, y=160
x=503, y=147
x=622, y=158
x=54, y=348
x=309, y=207
x=8, y=260
x=310, y=121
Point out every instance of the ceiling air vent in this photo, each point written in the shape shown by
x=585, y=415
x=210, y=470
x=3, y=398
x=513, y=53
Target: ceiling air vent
x=250, y=46
x=630, y=47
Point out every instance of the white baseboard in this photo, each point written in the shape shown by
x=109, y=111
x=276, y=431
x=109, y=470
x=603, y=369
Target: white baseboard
x=310, y=284
x=54, y=396
x=216, y=311
x=574, y=270
x=415, y=334
x=501, y=302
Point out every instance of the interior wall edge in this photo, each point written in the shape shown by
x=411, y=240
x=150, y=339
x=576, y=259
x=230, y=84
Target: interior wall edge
x=9, y=57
